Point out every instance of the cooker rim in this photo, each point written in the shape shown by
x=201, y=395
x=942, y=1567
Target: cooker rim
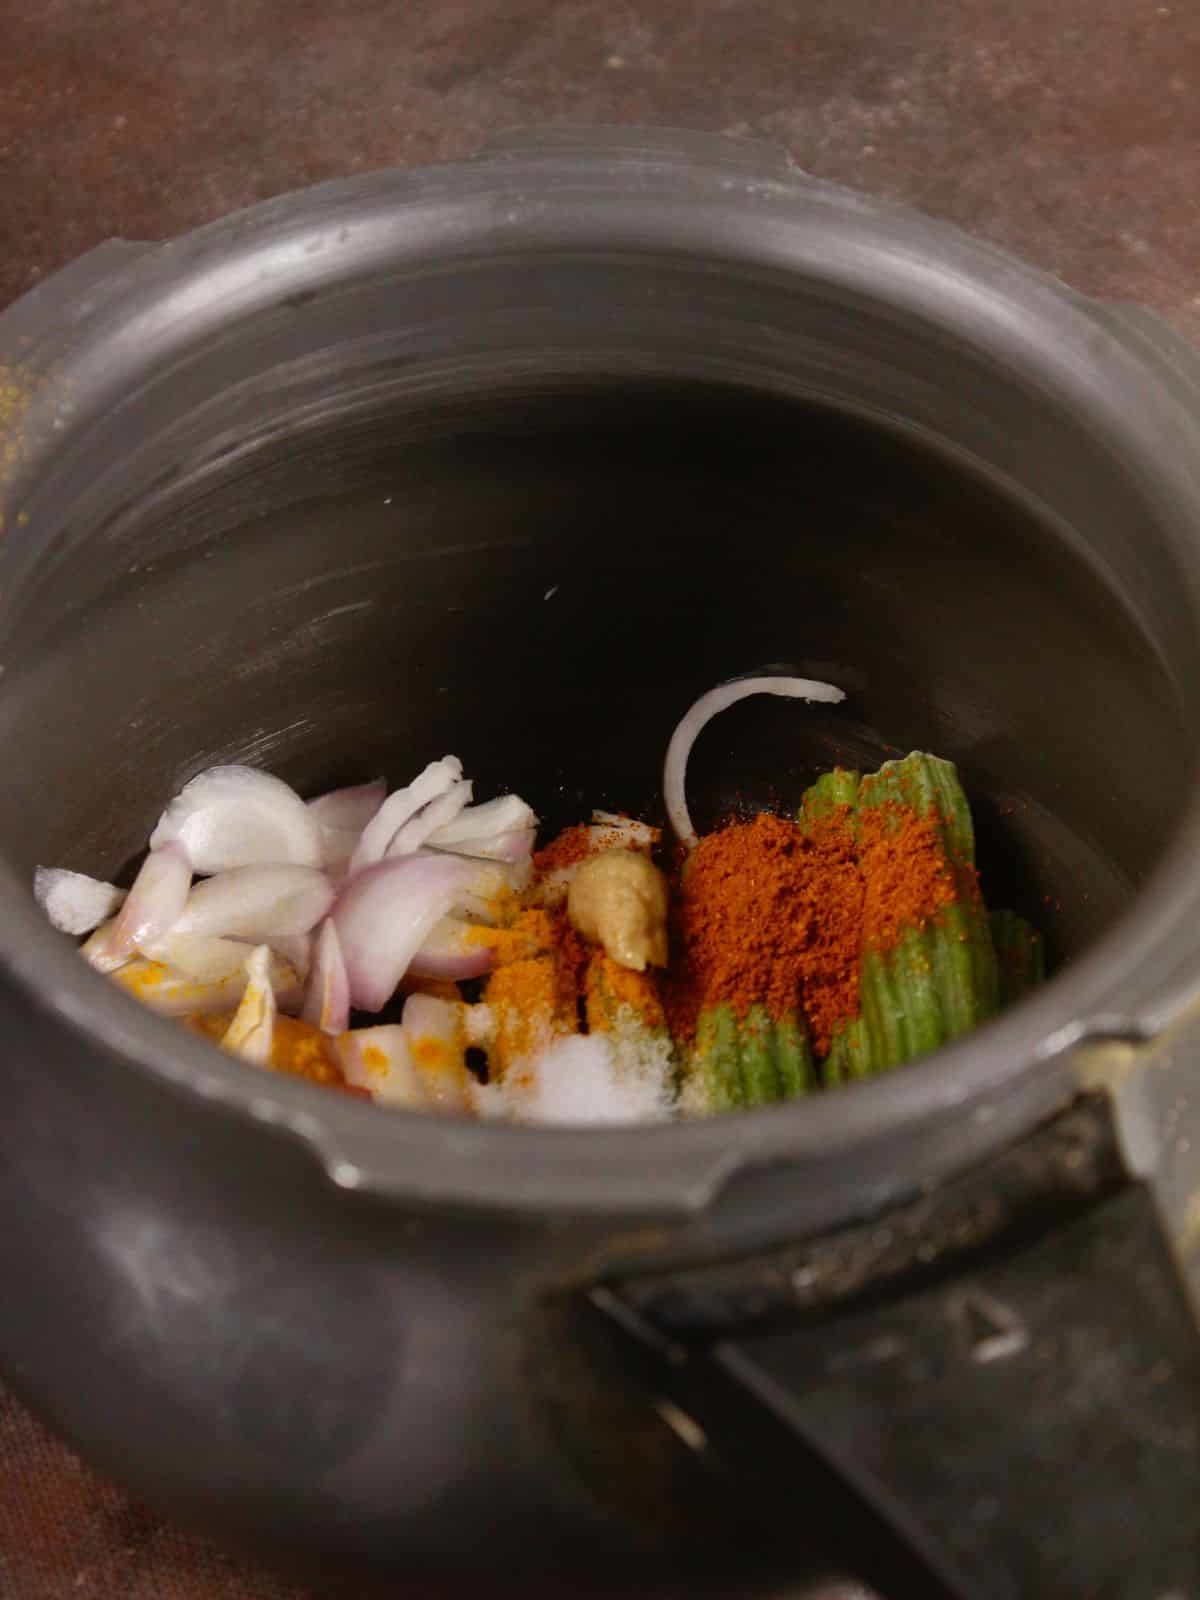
x=999, y=1079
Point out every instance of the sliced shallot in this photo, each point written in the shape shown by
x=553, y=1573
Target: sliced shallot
x=257, y=903
x=601, y=838
x=702, y=712
x=294, y=948
x=202, y=958
x=453, y=950
x=349, y=810
x=553, y=886
x=437, y=1044
x=429, y=819
x=74, y=902
x=155, y=902
x=378, y=1059
x=607, y=832
x=635, y=835
x=342, y=815
x=337, y=847
x=498, y=830
x=327, y=998
x=513, y=847
x=383, y=916
x=489, y=895
x=508, y=813
x=240, y=817
x=436, y=779
x=621, y=834
x=252, y=1031
x=98, y=951
x=174, y=993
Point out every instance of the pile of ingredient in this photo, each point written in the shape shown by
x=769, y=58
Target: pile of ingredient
x=418, y=950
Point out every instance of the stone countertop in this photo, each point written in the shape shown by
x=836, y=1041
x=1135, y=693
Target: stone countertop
x=1066, y=130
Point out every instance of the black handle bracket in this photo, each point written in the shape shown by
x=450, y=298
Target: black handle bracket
x=992, y=1392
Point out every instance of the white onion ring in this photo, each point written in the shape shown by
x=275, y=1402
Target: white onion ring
x=74, y=902
x=710, y=705
x=240, y=817
x=155, y=902
x=395, y=811
x=257, y=903
x=327, y=998
x=383, y=916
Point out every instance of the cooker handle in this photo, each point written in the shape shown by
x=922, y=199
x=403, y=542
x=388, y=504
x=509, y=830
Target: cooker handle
x=993, y=1392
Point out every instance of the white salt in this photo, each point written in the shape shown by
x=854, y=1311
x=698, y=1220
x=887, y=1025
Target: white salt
x=579, y=1081
x=74, y=902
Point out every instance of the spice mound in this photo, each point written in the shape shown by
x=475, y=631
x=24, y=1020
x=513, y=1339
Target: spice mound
x=415, y=948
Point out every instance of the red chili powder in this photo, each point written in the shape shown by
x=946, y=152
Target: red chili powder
x=766, y=911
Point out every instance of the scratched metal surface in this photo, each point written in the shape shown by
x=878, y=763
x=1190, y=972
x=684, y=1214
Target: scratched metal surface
x=1065, y=130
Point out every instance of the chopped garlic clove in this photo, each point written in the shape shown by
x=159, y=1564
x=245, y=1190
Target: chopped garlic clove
x=98, y=951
